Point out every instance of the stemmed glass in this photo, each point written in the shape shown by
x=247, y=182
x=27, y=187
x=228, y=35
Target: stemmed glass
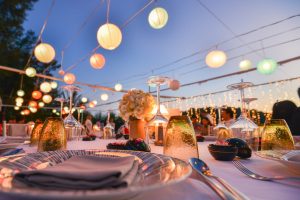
x=223, y=131
x=61, y=100
x=72, y=126
x=158, y=119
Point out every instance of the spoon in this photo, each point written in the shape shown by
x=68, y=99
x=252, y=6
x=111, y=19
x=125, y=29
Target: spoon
x=201, y=167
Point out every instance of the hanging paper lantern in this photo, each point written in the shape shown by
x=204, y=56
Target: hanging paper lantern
x=22, y=112
x=69, y=78
x=66, y=109
x=33, y=104
x=45, y=87
x=19, y=100
x=33, y=110
x=216, y=59
x=47, y=98
x=84, y=99
x=109, y=36
x=26, y=112
x=54, y=110
x=97, y=61
x=95, y=102
x=17, y=108
x=41, y=104
x=118, y=87
x=245, y=64
x=53, y=84
x=44, y=52
x=30, y=71
x=20, y=93
x=158, y=18
x=91, y=104
x=104, y=97
x=36, y=94
x=61, y=72
x=18, y=104
x=174, y=85
x=267, y=66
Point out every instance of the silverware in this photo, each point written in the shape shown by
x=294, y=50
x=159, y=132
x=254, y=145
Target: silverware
x=201, y=167
x=256, y=176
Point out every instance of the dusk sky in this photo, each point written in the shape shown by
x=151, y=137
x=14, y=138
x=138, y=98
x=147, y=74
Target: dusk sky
x=190, y=29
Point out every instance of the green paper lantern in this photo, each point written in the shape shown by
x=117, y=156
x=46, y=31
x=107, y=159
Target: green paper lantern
x=267, y=66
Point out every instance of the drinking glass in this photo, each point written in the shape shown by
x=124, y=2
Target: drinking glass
x=36, y=132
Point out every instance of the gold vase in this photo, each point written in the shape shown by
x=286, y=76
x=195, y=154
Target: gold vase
x=137, y=128
x=180, y=140
x=35, y=134
x=53, y=135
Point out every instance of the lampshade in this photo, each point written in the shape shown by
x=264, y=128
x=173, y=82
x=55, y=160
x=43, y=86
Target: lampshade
x=245, y=64
x=41, y=104
x=267, y=66
x=174, y=85
x=33, y=109
x=84, y=99
x=158, y=18
x=97, y=61
x=53, y=84
x=20, y=93
x=19, y=100
x=30, y=71
x=118, y=87
x=33, y=104
x=69, y=78
x=61, y=72
x=36, y=94
x=44, y=52
x=215, y=59
x=45, y=87
x=109, y=36
x=47, y=98
x=104, y=97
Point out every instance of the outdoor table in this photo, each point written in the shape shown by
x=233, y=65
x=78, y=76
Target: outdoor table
x=194, y=189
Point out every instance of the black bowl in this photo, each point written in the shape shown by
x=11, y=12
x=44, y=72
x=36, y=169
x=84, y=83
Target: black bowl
x=223, y=152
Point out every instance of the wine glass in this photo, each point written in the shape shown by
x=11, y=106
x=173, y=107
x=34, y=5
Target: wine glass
x=72, y=126
x=61, y=100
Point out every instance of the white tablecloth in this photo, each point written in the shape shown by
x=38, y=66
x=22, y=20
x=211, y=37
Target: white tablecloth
x=193, y=189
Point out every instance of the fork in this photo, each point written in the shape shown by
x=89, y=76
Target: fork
x=256, y=176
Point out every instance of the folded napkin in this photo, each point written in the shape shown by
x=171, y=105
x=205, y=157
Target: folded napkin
x=82, y=172
x=11, y=151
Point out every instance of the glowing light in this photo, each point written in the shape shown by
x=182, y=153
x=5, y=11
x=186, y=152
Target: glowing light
x=97, y=61
x=245, y=64
x=118, y=87
x=104, y=97
x=30, y=71
x=53, y=85
x=69, y=78
x=215, y=59
x=267, y=66
x=84, y=99
x=45, y=87
x=109, y=36
x=20, y=93
x=44, y=52
x=158, y=18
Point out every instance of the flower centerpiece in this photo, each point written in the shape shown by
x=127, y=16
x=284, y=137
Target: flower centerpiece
x=134, y=107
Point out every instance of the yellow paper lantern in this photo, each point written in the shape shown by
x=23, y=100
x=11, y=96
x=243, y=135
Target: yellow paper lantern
x=45, y=87
x=245, y=64
x=41, y=104
x=20, y=93
x=69, y=78
x=19, y=100
x=30, y=71
x=44, y=52
x=118, y=87
x=17, y=108
x=97, y=61
x=84, y=99
x=158, y=18
x=53, y=85
x=104, y=97
x=47, y=98
x=216, y=59
x=109, y=36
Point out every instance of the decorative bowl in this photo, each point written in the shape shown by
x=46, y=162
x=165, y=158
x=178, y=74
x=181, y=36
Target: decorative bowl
x=223, y=152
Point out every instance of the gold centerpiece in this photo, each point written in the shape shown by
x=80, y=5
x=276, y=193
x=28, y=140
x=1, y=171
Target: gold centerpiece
x=134, y=107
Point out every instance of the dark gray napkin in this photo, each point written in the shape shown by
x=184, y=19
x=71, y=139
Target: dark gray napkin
x=82, y=172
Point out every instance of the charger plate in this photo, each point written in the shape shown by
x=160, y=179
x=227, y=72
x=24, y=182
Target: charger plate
x=155, y=171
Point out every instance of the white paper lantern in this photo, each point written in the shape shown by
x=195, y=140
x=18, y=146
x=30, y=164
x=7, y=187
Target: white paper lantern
x=158, y=18
x=17, y=108
x=91, y=104
x=18, y=104
x=41, y=104
x=118, y=87
x=19, y=100
x=54, y=110
x=267, y=66
x=33, y=110
x=53, y=84
x=69, y=78
x=84, y=99
x=44, y=52
x=97, y=61
x=22, y=113
x=245, y=64
x=95, y=102
x=30, y=71
x=20, y=93
x=174, y=85
x=47, y=98
x=215, y=59
x=104, y=97
x=109, y=36
x=45, y=87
